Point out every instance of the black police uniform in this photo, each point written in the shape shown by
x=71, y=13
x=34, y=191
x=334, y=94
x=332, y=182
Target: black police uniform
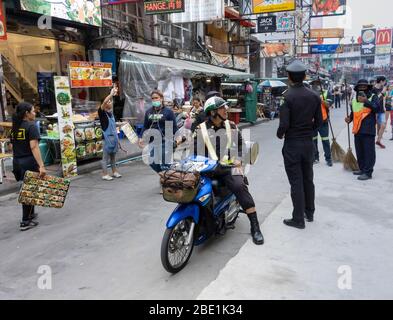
x=300, y=116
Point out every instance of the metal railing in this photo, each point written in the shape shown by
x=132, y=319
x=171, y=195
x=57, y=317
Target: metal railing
x=16, y=82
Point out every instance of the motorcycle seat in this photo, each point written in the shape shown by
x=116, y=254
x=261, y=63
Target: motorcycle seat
x=219, y=189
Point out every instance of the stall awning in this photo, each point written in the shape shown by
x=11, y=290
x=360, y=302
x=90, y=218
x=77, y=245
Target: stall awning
x=194, y=68
x=233, y=14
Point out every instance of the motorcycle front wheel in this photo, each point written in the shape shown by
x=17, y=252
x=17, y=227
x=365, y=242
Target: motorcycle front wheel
x=175, y=251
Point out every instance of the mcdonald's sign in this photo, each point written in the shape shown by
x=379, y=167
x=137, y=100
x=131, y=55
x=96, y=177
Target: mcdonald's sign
x=384, y=37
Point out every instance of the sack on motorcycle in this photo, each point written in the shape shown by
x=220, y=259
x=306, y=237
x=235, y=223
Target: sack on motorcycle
x=179, y=186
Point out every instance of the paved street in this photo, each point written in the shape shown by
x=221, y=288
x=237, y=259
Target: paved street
x=105, y=242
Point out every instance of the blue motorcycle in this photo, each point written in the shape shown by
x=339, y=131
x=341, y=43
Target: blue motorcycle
x=207, y=210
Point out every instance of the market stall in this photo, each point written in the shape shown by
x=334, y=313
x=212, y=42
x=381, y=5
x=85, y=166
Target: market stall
x=73, y=133
x=242, y=99
x=180, y=80
x=269, y=97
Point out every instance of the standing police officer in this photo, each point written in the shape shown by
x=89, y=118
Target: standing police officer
x=300, y=116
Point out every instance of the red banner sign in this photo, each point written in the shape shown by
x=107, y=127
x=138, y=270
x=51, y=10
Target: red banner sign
x=163, y=6
x=3, y=25
x=384, y=37
x=90, y=74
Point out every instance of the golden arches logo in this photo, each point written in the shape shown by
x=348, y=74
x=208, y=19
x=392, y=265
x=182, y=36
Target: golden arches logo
x=384, y=37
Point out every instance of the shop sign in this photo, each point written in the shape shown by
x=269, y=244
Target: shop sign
x=323, y=8
x=87, y=12
x=368, y=42
x=327, y=33
x=384, y=41
x=326, y=48
x=267, y=24
x=66, y=126
x=222, y=60
x=241, y=63
x=3, y=24
x=382, y=61
x=90, y=74
x=199, y=11
x=285, y=22
x=272, y=50
x=249, y=7
x=163, y=6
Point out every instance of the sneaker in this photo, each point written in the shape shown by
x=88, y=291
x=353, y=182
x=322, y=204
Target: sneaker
x=117, y=175
x=34, y=216
x=26, y=225
x=380, y=145
x=364, y=177
x=107, y=178
x=329, y=163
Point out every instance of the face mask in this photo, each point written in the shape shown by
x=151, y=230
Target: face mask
x=156, y=104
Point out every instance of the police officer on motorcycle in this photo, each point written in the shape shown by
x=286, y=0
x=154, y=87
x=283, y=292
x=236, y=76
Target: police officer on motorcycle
x=216, y=128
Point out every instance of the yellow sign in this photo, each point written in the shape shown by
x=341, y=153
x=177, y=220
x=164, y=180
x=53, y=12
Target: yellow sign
x=263, y=6
x=327, y=33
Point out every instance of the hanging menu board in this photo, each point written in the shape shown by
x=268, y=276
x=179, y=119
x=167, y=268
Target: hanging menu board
x=66, y=127
x=85, y=74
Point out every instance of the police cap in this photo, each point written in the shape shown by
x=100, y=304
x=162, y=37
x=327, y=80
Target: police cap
x=296, y=67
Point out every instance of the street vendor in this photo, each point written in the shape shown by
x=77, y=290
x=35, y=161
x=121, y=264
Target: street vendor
x=26, y=154
x=111, y=139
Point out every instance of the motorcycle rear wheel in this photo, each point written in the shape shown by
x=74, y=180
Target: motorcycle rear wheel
x=174, y=253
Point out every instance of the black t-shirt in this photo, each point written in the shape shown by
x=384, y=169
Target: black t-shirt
x=103, y=115
x=21, y=141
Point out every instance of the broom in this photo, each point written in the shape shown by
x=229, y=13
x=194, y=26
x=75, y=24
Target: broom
x=350, y=162
x=338, y=153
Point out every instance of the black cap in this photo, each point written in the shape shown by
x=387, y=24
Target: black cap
x=296, y=66
x=363, y=82
x=380, y=79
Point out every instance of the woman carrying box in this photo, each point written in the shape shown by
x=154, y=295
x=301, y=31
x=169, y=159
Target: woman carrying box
x=26, y=154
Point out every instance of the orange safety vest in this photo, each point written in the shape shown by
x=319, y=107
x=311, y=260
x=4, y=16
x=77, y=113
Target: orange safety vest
x=359, y=114
x=324, y=106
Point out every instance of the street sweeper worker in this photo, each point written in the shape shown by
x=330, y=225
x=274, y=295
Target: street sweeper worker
x=323, y=131
x=300, y=116
x=364, y=108
x=218, y=127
